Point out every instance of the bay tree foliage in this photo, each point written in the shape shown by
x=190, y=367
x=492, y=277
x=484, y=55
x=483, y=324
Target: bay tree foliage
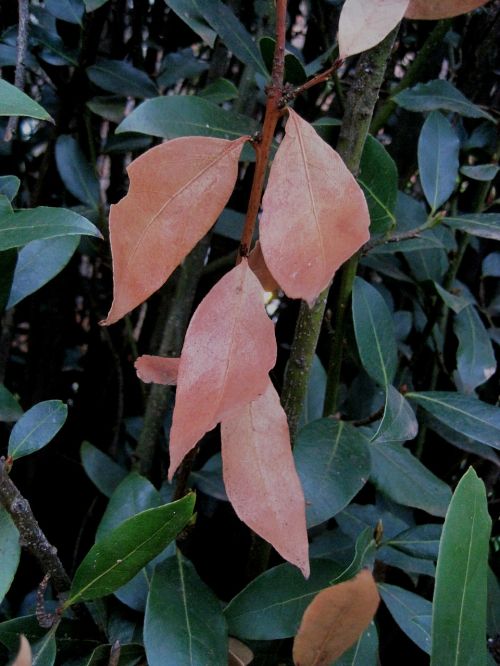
x=249, y=299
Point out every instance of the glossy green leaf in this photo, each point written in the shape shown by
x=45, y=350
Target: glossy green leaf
x=460, y=595
x=359, y=516
x=10, y=409
x=401, y=476
x=364, y=553
x=482, y=136
x=66, y=10
x=76, y=172
x=13, y=102
x=410, y=565
x=399, y=423
x=438, y=148
x=179, y=66
x=209, y=478
x=10, y=552
x=419, y=541
x=333, y=545
x=411, y=612
x=120, y=555
x=55, y=51
x=221, y=90
x=230, y=224
x=364, y=652
x=481, y=172
x=333, y=464
x=44, y=650
x=104, y=473
x=180, y=115
x=109, y=107
x=189, y=11
x=485, y=225
x=455, y=301
x=8, y=261
x=37, y=263
x=119, y=76
x=468, y=416
x=184, y=623
x=37, y=427
x=476, y=361
x=272, y=605
x=378, y=176
x=439, y=94
x=491, y=265
x=315, y=395
x=374, y=329
x=9, y=186
x=130, y=655
x=21, y=227
x=294, y=69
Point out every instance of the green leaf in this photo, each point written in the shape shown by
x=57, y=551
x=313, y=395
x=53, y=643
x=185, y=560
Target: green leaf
x=181, y=115
x=365, y=549
x=209, y=478
x=315, y=395
x=399, y=423
x=403, y=478
x=485, y=225
x=482, y=172
x=357, y=517
x=219, y=91
x=455, y=301
x=56, y=52
x=190, y=13
x=36, y=428
x=493, y=614
x=76, y=172
x=460, y=595
x=411, y=612
x=333, y=545
x=13, y=102
x=374, y=329
x=8, y=261
x=294, y=69
x=364, y=652
x=130, y=655
x=476, y=361
x=407, y=563
x=272, y=605
x=104, y=473
x=44, y=651
x=464, y=414
x=333, y=464
x=38, y=262
x=439, y=94
x=420, y=541
x=438, y=148
x=17, y=229
x=179, y=66
x=184, y=623
x=109, y=107
x=66, y=10
x=378, y=176
x=230, y=224
x=9, y=186
x=119, y=76
x=491, y=265
x=10, y=409
x=10, y=552
x=119, y=556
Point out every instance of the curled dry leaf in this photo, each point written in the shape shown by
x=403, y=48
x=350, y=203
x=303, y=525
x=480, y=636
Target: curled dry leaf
x=315, y=215
x=239, y=653
x=177, y=191
x=258, y=265
x=432, y=10
x=363, y=25
x=24, y=657
x=260, y=477
x=157, y=369
x=334, y=620
x=227, y=354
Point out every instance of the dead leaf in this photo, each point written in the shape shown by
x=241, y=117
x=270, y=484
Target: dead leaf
x=314, y=216
x=157, y=369
x=239, y=653
x=432, y=10
x=260, y=477
x=227, y=354
x=259, y=267
x=363, y=25
x=334, y=620
x=24, y=657
x=177, y=191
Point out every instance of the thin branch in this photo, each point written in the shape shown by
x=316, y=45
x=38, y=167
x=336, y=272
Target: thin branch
x=22, y=45
x=316, y=80
x=396, y=238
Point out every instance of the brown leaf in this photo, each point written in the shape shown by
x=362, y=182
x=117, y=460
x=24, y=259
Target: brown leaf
x=239, y=653
x=259, y=267
x=177, y=191
x=314, y=216
x=24, y=657
x=157, y=369
x=260, y=477
x=363, y=25
x=433, y=10
x=334, y=620
x=228, y=351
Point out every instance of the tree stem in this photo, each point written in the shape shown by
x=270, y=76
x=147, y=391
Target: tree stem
x=22, y=45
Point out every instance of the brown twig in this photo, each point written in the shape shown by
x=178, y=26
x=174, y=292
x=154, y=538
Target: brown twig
x=316, y=80
x=22, y=45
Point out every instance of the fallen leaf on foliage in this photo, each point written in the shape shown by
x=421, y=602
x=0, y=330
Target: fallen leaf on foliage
x=157, y=369
x=227, y=354
x=177, y=191
x=260, y=477
x=24, y=657
x=258, y=265
x=334, y=620
x=363, y=25
x=315, y=215
x=239, y=653
x=433, y=10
